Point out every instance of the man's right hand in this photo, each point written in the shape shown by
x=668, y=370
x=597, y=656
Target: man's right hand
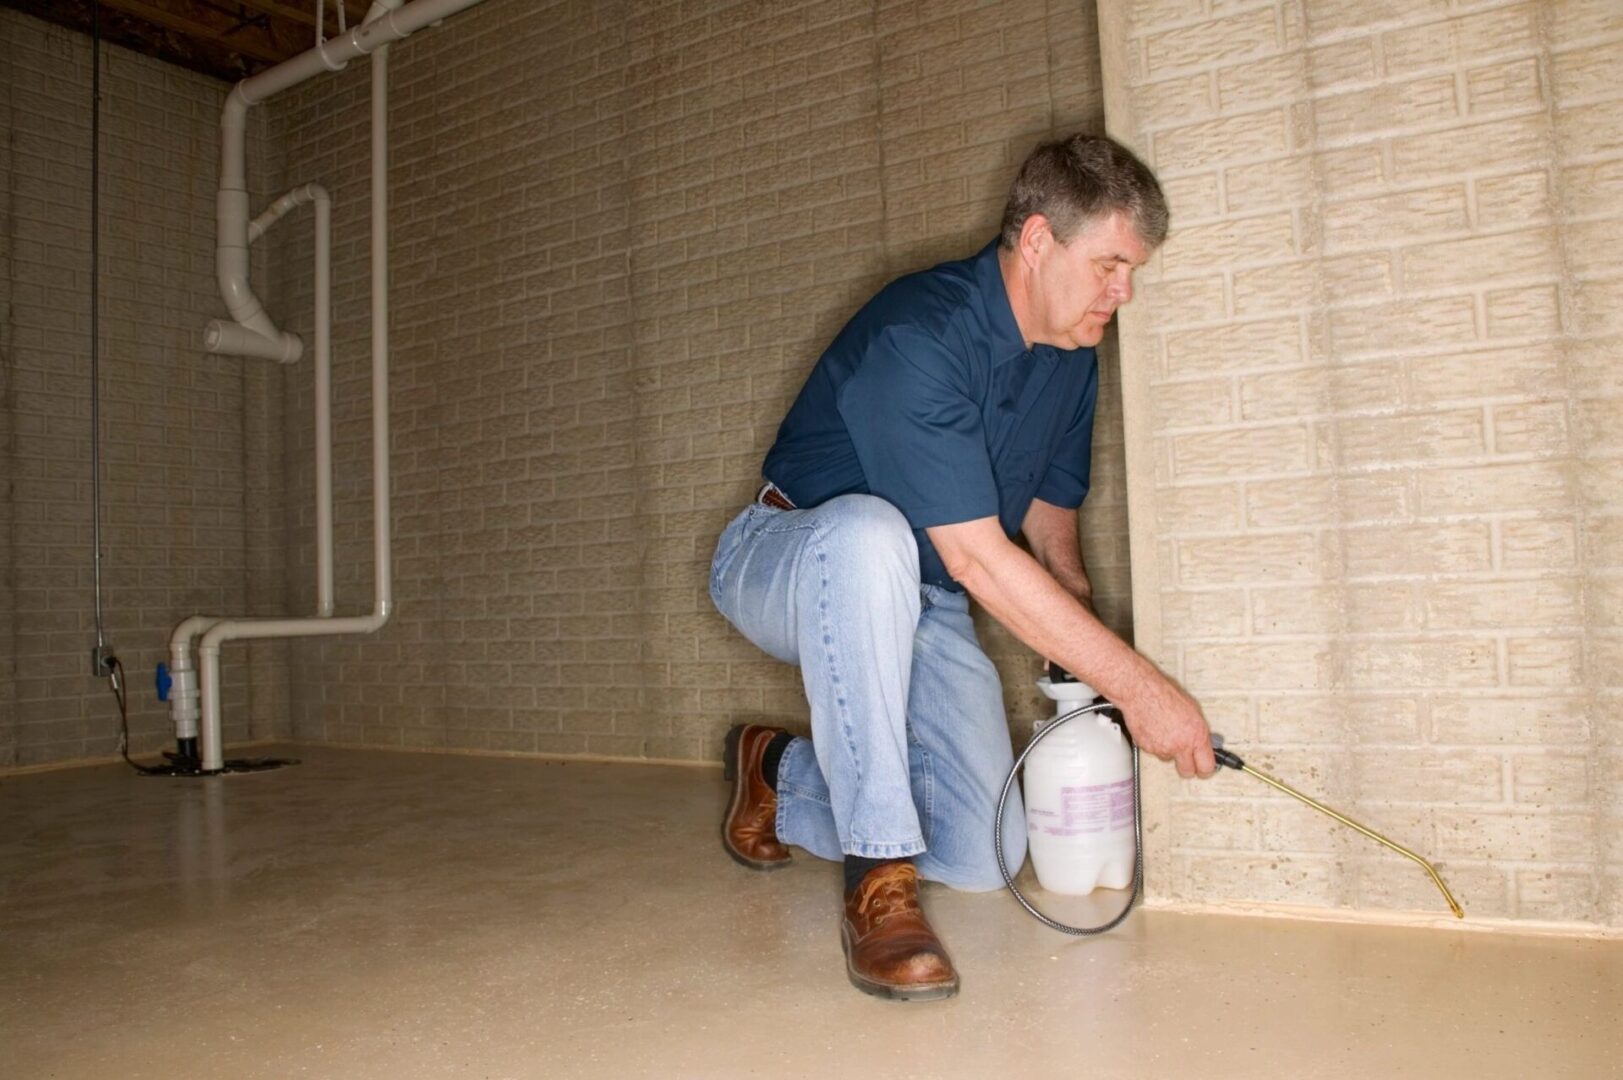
x=1167, y=722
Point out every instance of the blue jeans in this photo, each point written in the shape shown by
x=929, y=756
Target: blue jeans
x=910, y=746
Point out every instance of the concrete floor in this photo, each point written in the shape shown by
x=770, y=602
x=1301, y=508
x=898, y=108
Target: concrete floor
x=410, y=915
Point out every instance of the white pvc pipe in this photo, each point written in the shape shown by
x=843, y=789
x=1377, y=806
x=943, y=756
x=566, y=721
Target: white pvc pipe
x=285, y=204
x=238, y=339
x=184, y=693
x=323, y=380
x=210, y=741
x=387, y=21
x=381, y=501
x=318, y=195
x=384, y=24
x=183, y=690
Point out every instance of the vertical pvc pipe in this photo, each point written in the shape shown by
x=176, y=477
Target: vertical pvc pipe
x=380, y=331
x=184, y=702
x=210, y=744
x=323, y=434
x=258, y=227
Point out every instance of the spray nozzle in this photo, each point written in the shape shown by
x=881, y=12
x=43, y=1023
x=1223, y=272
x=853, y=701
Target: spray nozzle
x=1225, y=757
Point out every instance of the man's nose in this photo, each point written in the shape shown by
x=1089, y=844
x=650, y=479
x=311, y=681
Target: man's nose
x=1121, y=286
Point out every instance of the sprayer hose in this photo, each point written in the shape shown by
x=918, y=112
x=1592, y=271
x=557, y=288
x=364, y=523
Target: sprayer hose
x=1138, y=828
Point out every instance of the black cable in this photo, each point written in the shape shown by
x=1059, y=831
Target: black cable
x=115, y=678
x=1138, y=828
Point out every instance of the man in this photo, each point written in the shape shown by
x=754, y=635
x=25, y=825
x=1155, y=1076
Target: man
x=954, y=411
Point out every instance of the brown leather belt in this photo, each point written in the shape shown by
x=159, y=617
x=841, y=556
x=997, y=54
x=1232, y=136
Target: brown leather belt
x=771, y=496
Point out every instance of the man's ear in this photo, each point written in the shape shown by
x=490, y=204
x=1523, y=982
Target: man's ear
x=1035, y=234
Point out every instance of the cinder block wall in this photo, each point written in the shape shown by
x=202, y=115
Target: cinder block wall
x=623, y=233
x=190, y=445
x=1374, y=410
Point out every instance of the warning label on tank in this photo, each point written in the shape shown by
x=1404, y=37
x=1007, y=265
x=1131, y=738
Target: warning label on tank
x=1093, y=808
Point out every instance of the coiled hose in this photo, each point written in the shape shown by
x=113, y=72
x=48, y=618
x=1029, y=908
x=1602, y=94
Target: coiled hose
x=1138, y=827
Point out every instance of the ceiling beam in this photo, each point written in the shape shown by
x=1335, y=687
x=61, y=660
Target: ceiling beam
x=305, y=14
x=202, y=22
x=227, y=39
x=207, y=56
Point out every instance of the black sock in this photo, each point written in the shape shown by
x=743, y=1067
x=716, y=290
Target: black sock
x=856, y=868
x=773, y=757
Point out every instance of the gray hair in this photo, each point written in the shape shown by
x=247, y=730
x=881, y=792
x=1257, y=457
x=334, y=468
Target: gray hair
x=1077, y=181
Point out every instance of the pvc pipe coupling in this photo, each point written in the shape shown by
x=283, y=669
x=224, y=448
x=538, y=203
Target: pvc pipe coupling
x=178, y=685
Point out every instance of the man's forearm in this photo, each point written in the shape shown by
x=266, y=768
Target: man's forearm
x=1051, y=619
x=1020, y=594
x=1068, y=572
x=1052, y=533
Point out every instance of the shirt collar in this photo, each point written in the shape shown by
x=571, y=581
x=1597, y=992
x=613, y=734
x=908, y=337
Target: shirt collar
x=1006, y=342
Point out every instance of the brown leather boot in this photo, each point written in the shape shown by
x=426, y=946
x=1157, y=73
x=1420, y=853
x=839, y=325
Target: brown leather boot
x=749, y=831
x=890, y=949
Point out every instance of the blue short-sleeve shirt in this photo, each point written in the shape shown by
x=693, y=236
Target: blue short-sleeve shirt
x=929, y=399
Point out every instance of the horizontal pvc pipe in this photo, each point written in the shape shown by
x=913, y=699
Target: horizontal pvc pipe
x=381, y=28
x=211, y=748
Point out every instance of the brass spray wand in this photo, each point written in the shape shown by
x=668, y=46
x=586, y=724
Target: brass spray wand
x=1233, y=761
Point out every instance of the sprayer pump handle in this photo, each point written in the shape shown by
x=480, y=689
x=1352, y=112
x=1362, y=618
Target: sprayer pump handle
x=1057, y=674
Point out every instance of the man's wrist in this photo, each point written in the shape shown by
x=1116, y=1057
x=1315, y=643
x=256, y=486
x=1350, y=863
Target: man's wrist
x=1145, y=683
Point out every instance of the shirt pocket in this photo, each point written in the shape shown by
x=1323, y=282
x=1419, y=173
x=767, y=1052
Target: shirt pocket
x=1022, y=467
x=1027, y=456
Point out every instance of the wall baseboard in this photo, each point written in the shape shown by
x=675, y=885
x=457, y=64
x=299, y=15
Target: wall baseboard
x=463, y=751
x=528, y=755
x=145, y=757
x=1409, y=919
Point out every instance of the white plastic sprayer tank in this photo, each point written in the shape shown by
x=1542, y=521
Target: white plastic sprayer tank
x=1078, y=789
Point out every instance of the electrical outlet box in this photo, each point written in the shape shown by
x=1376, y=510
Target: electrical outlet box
x=101, y=660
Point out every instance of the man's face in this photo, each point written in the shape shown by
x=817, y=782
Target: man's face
x=1077, y=287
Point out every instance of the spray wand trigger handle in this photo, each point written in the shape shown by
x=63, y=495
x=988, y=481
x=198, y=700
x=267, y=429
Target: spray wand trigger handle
x=1225, y=757
x=1057, y=674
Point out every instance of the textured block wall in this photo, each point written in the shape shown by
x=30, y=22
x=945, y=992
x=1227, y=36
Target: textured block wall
x=1374, y=409
x=191, y=468
x=623, y=233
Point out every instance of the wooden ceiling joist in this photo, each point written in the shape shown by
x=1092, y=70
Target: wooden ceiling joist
x=228, y=39
x=305, y=15
x=205, y=21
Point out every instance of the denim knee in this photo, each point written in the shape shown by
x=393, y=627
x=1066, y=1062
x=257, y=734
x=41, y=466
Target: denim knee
x=873, y=533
